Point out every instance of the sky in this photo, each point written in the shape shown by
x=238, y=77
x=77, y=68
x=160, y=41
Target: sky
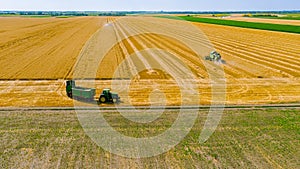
x=149, y=5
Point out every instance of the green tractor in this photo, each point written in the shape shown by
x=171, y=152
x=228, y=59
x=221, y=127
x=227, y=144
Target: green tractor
x=84, y=93
x=109, y=97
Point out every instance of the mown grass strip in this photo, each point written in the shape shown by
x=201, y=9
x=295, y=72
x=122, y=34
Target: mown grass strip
x=242, y=24
x=57, y=139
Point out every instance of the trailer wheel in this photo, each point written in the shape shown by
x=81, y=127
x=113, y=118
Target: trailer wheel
x=102, y=99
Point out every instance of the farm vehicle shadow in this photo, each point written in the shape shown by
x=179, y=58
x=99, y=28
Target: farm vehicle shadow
x=94, y=101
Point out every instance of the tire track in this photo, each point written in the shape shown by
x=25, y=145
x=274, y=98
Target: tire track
x=251, y=58
x=124, y=49
x=186, y=52
x=263, y=53
x=168, y=60
x=286, y=55
x=154, y=42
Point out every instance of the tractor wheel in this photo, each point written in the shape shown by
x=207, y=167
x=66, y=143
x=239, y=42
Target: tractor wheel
x=102, y=99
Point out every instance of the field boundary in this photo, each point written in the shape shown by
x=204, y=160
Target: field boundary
x=111, y=108
x=56, y=79
x=241, y=24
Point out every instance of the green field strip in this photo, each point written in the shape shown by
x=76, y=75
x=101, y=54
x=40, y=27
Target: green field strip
x=241, y=24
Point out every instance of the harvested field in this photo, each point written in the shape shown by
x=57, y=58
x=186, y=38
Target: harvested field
x=263, y=20
x=239, y=91
x=256, y=53
x=261, y=66
x=43, y=48
x=147, y=63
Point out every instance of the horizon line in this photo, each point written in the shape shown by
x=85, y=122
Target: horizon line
x=285, y=10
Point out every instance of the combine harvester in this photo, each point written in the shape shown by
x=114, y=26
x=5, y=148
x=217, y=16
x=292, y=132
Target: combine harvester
x=83, y=93
x=215, y=57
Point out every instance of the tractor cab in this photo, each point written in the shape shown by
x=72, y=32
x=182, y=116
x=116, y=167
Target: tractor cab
x=69, y=85
x=213, y=56
x=108, y=97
